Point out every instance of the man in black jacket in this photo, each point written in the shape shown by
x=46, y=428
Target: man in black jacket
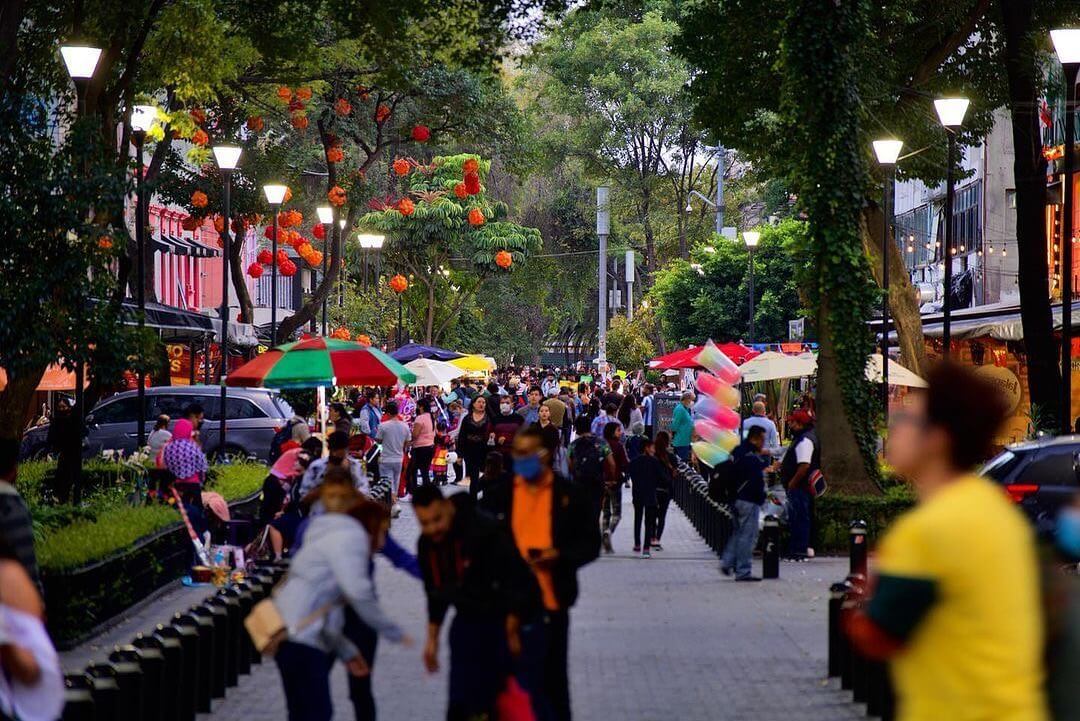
x=554, y=529
x=748, y=477
x=468, y=561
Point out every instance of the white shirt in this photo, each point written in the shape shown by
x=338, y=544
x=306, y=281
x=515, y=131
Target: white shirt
x=313, y=476
x=804, y=451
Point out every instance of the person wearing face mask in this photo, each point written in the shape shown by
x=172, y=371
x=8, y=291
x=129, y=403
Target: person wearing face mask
x=505, y=423
x=955, y=606
x=554, y=530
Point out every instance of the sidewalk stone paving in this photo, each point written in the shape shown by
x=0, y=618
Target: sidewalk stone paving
x=660, y=639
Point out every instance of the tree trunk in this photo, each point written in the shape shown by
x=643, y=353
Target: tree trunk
x=1029, y=170
x=429, y=316
x=903, y=298
x=15, y=400
x=841, y=460
x=236, y=270
x=646, y=225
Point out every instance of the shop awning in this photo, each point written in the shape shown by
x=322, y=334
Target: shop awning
x=183, y=246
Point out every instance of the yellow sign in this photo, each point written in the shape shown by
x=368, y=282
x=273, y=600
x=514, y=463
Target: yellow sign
x=1005, y=380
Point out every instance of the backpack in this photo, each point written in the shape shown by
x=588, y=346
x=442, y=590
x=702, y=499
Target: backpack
x=588, y=462
x=722, y=488
x=283, y=435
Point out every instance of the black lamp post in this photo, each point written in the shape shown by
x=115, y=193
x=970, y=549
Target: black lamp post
x=951, y=112
x=142, y=117
x=751, y=238
x=887, y=152
x=275, y=196
x=1067, y=46
x=227, y=157
x=326, y=217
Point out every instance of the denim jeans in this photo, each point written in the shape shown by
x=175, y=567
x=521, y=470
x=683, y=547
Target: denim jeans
x=390, y=473
x=798, y=502
x=739, y=551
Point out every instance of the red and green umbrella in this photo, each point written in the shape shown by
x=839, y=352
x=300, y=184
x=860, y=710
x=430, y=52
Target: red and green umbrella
x=314, y=362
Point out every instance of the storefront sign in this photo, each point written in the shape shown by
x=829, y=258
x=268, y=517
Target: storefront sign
x=1006, y=381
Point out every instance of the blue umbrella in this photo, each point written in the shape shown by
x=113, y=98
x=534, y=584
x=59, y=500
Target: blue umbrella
x=412, y=351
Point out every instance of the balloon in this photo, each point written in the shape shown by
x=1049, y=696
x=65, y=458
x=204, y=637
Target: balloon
x=709, y=454
x=722, y=416
x=718, y=390
x=714, y=359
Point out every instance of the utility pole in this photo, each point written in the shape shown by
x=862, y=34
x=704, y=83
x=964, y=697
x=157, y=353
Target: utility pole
x=629, y=285
x=720, y=153
x=603, y=229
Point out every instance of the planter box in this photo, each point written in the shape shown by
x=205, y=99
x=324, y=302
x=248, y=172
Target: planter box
x=81, y=601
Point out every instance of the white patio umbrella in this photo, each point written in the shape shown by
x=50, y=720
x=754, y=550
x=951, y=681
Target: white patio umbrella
x=898, y=374
x=771, y=365
x=431, y=372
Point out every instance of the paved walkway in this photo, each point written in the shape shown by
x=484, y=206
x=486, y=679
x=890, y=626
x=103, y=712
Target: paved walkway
x=651, y=640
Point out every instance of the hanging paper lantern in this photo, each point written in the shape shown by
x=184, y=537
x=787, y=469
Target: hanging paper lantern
x=299, y=121
x=255, y=123
x=288, y=268
x=460, y=191
x=399, y=284
x=105, y=242
x=255, y=270
x=269, y=232
x=200, y=137
x=315, y=258
x=363, y=92
x=304, y=93
x=471, y=165
x=295, y=105
x=401, y=167
x=335, y=155
x=421, y=133
x=476, y=217
x=406, y=207
x=284, y=93
x=265, y=256
x=342, y=107
x=190, y=223
x=282, y=256
x=341, y=333
x=336, y=196
x=219, y=225
x=472, y=183
x=363, y=339
x=504, y=259
x=198, y=115
x=382, y=113
x=303, y=248
x=319, y=231
x=288, y=195
x=199, y=199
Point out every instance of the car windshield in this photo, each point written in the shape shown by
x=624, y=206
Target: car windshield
x=1000, y=465
x=283, y=406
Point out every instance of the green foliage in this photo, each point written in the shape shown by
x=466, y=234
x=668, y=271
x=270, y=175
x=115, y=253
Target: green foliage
x=694, y=304
x=834, y=513
x=628, y=346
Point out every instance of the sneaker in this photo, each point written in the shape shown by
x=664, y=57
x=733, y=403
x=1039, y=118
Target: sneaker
x=656, y=546
x=748, y=579
x=637, y=549
x=395, y=511
x=646, y=554
x=608, y=548
x=726, y=570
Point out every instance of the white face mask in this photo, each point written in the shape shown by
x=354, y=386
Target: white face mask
x=505, y=408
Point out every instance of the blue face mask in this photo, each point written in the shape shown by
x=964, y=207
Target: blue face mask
x=1067, y=532
x=528, y=467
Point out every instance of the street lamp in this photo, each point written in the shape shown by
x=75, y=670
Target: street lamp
x=227, y=157
x=751, y=238
x=887, y=152
x=275, y=196
x=142, y=118
x=603, y=229
x=326, y=217
x=369, y=241
x=1067, y=45
x=951, y=113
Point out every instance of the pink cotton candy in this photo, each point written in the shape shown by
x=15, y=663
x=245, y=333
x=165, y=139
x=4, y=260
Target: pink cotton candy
x=723, y=367
x=722, y=416
x=718, y=390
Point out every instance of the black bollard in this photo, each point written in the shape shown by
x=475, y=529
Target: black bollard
x=234, y=631
x=770, y=558
x=158, y=689
x=857, y=543
x=187, y=635
x=853, y=663
x=239, y=600
x=838, y=644
x=132, y=681
x=173, y=694
x=78, y=698
x=257, y=592
x=204, y=627
x=220, y=634
x=105, y=690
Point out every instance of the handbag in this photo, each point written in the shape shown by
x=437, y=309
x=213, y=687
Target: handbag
x=268, y=629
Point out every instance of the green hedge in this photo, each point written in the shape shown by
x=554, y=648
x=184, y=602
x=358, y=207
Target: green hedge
x=834, y=513
x=69, y=537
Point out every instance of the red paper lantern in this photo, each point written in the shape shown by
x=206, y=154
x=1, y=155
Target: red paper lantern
x=200, y=137
x=190, y=223
x=471, y=166
x=319, y=231
x=269, y=232
x=382, y=113
x=265, y=256
x=461, y=191
x=282, y=257
x=421, y=133
x=255, y=270
x=401, y=167
x=476, y=217
x=504, y=259
x=406, y=207
x=288, y=268
x=399, y=284
x=472, y=183
x=198, y=115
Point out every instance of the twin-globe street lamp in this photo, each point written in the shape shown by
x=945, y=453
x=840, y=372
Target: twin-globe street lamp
x=326, y=217
x=275, y=196
x=227, y=157
x=1067, y=46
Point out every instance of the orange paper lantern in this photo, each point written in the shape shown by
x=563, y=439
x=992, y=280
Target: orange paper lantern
x=336, y=196
x=406, y=207
x=342, y=107
x=255, y=123
x=476, y=217
x=471, y=166
x=300, y=122
x=335, y=155
x=304, y=93
x=401, y=167
x=284, y=93
x=199, y=199
x=200, y=137
x=504, y=259
x=399, y=284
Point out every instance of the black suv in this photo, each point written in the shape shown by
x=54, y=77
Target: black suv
x=1041, y=476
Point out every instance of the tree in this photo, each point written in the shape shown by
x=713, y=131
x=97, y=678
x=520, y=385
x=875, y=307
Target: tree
x=628, y=345
x=709, y=297
x=443, y=215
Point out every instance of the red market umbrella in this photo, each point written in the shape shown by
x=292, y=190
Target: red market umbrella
x=314, y=362
x=738, y=352
x=686, y=358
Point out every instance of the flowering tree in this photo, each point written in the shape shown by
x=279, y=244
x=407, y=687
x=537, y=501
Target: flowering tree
x=442, y=227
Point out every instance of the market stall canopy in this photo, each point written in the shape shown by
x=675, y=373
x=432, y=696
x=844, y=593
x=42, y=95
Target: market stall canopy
x=56, y=378
x=321, y=362
x=738, y=352
x=898, y=374
x=412, y=351
x=475, y=363
x=686, y=358
x=431, y=372
x=769, y=366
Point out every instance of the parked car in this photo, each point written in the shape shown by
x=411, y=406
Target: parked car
x=253, y=416
x=1040, y=476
